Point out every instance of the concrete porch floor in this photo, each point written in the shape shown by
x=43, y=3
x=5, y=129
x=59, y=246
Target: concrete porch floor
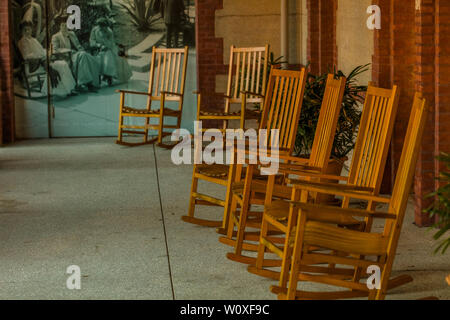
x=91, y=203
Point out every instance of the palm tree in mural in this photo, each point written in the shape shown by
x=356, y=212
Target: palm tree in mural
x=142, y=13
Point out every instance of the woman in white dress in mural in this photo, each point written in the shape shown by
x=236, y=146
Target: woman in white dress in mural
x=31, y=49
x=85, y=67
x=112, y=66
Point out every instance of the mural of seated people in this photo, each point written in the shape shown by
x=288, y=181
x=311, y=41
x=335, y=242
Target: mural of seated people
x=85, y=67
x=34, y=58
x=114, y=68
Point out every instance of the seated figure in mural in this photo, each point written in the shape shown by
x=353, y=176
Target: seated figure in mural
x=33, y=13
x=85, y=67
x=113, y=67
x=172, y=12
x=64, y=83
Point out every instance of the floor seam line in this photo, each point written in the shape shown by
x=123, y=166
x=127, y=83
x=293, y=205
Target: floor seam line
x=163, y=222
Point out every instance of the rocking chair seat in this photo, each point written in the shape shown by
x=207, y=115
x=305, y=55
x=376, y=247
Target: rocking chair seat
x=249, y=114
x=214, y=170
x=259, y=187
x=279, y=211
x=344, y=240
x=139, y=111
x=130, y=110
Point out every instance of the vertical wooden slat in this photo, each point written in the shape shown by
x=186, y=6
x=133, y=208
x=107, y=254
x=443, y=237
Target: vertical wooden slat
x=265, y=66
x=373, y=100
x=158, y=73
x=150, y=82
x=273, y=124
x=283, y=107
x=381, y=139
x=297, y=106
x=286, y=111
x=248, y=71
x=236, y=86
x=273, y=98
x=254, y=80
x=168, y=66
x=259, y=74
x=371, y=151
x=230, y=72
x=172, y=73
x=241, y=86
x=177, y=81
x=291, y=106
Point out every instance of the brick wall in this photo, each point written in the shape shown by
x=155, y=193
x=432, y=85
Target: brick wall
x=6, y=93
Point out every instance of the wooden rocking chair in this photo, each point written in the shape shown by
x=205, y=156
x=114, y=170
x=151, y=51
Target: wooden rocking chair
x=246, y=85
x=362, y=248
x=166, y=84
x=365, y=176
x=250, y=68
x=318, y=162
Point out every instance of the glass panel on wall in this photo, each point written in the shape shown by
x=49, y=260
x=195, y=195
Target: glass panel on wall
x=83, y=50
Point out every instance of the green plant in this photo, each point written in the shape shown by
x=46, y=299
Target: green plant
x=141, y=13
x=441, y=206
x=349, y=118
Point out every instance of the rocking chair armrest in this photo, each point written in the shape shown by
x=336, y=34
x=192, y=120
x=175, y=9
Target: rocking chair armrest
x=317, y=208
x=133, y=92
x=349, y=191
x=312, y=172
x=213, y=94
x=277, y=153
x=250, y=93
x=171, y=93
x=292, y=168
x=328, y=185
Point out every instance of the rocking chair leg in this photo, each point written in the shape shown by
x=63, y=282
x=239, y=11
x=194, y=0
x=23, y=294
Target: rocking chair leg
x=228, y=201
x=241, y=228
x=147, y=122
x=122, y=103
x=261, y=246
x=287, y=254
x=161, y=127
x=193, y=190
x=119, y=139
x=233, y=210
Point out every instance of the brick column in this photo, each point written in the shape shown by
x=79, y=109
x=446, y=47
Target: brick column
x=6, y=80
x=412, y=51
x=321, y=43
x=425, y=82
x=393, y=64
x=209, y=50
x=313, y=47
x=381, y=60
x=442, y=110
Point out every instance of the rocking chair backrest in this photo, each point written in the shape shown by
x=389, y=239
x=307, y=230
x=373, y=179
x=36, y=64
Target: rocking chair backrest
x=167, y=73
x=326, y=127
x=374, y=137
x=247, y=72
x=408, y=160
x=282, y=107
